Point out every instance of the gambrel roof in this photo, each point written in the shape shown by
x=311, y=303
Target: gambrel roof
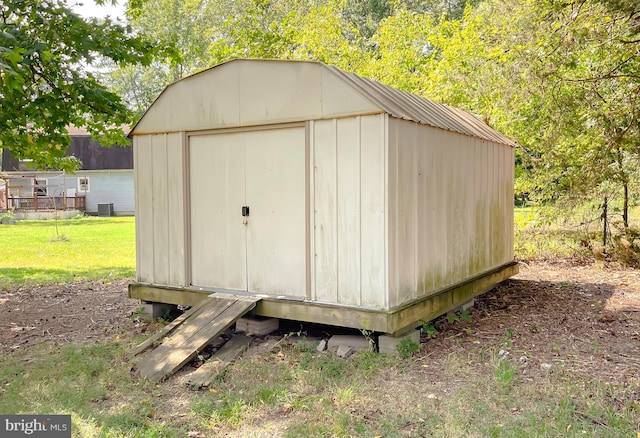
x=253, y=92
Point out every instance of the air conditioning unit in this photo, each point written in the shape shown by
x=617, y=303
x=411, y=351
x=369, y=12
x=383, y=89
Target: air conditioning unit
x=105, y=210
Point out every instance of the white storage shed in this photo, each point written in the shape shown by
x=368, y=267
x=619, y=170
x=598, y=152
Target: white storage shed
x=336, y=199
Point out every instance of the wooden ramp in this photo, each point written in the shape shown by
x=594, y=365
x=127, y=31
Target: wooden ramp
x=219, y=362
x=189, y=334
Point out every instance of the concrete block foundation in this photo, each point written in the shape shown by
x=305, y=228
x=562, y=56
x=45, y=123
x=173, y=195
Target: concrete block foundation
x=357, y=343
x=389, y=344
x=257, y=326
x=157, y=310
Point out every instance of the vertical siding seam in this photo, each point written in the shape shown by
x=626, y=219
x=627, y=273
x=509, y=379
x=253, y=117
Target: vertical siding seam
x=312, y=212
x=512, y=159
x=239, y=93
x=186, y=208
x=336, y=213
x=153, y=212
x=384, y=132
x=308, y=205
x=135, y=203
x=359, y=210
x=246, y=229
x=165, y=223
x=416, y=200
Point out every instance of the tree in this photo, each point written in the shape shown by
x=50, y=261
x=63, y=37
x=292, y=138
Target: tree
x=561, y=78
x=45, y=85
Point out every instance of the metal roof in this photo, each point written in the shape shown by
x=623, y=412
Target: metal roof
x=407, y=106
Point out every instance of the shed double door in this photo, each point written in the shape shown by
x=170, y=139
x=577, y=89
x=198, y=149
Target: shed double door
x=247, y=211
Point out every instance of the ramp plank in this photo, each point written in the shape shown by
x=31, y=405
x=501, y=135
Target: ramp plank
x=214, y=317
x=222, y=358
x=164, y=331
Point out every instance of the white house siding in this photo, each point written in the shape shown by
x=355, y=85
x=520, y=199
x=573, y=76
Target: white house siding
x=160, y=209
x=348, y=193
x=450, y=208
x=106, y=187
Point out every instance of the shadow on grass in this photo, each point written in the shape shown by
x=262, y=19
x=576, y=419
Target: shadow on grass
x=44, y=223
x=88, y=381
x=14, y=277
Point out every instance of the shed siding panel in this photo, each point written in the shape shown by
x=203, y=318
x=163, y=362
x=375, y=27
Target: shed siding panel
x=348, y=206
x=184, y=106
x=403, y=156
x=449, y=201
x=494, y=204
x=372, y=222
x=441, y=226
x=508, y=194
x=176, y=210
x=144, y=212
x=393, y=189
x=294, y=90
x=339, y=99
x=427, y=232
x=326, y=227
x=482, y=209
x=160, y=208
x=253, y=92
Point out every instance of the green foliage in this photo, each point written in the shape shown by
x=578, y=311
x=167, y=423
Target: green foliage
x=406, y=348
x=508, y=337
x=45, y=87
x=466, y=316
x=75, y=378
x=504, y=373
x=280, y=394
x=545, y=234
x=429, y=330
x=137, y=314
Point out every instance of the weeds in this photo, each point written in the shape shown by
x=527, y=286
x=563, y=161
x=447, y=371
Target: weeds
x=429, y=330
x=504, y=373
x=406, y=348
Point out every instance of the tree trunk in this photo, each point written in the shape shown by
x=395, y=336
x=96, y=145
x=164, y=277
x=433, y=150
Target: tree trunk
x=604, y=228
x=625, y=206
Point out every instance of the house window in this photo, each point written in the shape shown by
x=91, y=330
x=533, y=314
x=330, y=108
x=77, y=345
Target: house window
x=83, y=184
x=40, y=187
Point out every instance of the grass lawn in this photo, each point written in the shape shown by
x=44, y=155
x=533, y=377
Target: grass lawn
x=540, y=235
x=294, y=391
x=33, y=252
x=460, y=383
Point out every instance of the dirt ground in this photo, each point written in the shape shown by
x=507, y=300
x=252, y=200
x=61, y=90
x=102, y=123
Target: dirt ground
x=66, y=312
x=587, y=317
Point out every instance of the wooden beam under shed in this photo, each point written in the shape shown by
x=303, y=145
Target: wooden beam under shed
x=391, y=321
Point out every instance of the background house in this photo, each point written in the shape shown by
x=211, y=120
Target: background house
x=105, y=179
x=334, y=198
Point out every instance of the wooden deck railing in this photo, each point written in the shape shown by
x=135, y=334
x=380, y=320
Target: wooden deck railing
x=46, y=203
